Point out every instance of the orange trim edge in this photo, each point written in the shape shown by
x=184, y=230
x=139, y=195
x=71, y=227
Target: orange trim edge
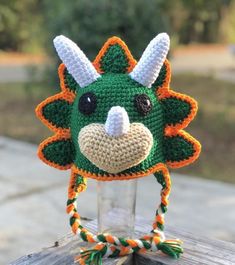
x=109, y=177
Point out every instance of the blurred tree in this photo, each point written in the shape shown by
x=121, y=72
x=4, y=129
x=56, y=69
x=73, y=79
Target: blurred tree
x=19, y=24
x=228, y=25
x=90, y=23
x=202, y=20
x=24, y=25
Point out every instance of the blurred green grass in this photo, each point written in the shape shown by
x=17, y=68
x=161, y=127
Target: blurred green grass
x=214, y=125
x=17, y=105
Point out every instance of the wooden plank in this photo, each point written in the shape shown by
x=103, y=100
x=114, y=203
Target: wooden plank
x=197, y=250
x=64, y=251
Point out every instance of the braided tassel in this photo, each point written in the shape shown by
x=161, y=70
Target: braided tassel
x=92, y=256
x=164, y=179
x=95, y=255
x=111, y=246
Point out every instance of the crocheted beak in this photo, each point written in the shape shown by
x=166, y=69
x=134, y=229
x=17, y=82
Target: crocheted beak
x=116, y=145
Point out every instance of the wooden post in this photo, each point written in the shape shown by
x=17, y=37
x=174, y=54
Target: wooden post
x=197, y=250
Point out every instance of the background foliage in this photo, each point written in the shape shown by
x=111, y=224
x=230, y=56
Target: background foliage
x=38, y=21
x=20, y=25
x=90, y=23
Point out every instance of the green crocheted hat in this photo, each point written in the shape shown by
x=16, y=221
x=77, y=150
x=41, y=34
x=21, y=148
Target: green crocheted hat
x=116, y=119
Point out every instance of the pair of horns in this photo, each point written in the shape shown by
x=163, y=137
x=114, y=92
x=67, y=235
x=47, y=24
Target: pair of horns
x=145, y=72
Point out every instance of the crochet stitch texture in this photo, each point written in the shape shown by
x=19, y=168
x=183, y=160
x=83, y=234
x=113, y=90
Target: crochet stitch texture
x=115, y=119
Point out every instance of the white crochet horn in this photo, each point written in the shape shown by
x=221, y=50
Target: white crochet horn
x=76, y=61
x=117, y=122
x=147, y=69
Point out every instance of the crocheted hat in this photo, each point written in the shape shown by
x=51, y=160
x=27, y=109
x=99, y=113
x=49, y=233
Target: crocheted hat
x=116, y=119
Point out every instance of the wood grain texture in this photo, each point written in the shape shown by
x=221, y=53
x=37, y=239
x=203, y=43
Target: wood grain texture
x=197, y=250
x=64, y=251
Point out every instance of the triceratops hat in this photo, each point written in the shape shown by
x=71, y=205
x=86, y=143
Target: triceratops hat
x=117, y=119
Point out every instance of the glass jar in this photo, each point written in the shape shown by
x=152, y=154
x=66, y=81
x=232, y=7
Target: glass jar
x=116, y=207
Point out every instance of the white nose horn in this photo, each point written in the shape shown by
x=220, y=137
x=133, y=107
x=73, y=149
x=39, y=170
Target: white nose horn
x=117, y=122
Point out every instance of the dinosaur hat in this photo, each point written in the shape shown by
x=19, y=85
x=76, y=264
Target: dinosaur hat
x=117, y=119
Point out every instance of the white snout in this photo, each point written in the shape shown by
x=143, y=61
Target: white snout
x=117, y=122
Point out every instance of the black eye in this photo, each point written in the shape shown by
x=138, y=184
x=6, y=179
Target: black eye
x=87, y=103
x=143, y=104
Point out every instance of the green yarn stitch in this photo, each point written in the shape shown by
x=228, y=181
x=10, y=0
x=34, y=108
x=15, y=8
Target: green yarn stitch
x=72, y=221
x=83, y=236
x=116, y=88
x=70, y=201
x=115, y=253
x=177, y=148
x=160, y=178
x=79, y=180
x=70, y=82
x=110, y=90
x=171, y=249
x=94, y=256
x=60, y=152
x=161, y=77
x=114, y=60
x=58, y=113
x=160, y=226
x=175, y=110
x=101, y=237
x=123, y=242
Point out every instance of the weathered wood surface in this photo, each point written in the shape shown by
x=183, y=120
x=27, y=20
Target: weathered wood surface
x=197, y=250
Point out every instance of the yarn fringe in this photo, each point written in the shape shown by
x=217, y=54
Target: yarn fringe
x=171, y=248
x=94, y=256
